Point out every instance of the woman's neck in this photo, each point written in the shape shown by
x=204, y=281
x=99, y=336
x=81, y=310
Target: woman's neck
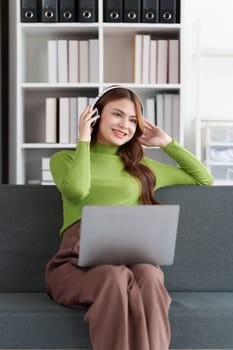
x=104, y=148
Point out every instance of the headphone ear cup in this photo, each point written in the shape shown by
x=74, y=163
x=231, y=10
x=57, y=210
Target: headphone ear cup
x=94, y=122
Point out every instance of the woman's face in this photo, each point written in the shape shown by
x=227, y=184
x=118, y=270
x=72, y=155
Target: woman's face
x=118, y=122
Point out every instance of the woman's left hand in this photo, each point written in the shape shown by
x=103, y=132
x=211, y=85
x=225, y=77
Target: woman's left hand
x=153, y=136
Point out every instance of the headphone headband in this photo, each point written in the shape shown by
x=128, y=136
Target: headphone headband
x=112, y=87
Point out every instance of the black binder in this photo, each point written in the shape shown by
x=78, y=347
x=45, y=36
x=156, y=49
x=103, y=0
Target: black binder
x=49, y=10
x=168, y=11
x=67, y=11
x=132, y=11
x=150, y=11
x=113, y=11
x=87, y=10
x=29, y=11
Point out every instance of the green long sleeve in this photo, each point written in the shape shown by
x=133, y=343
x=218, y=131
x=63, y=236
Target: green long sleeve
x=96, y=175
x=190, y=170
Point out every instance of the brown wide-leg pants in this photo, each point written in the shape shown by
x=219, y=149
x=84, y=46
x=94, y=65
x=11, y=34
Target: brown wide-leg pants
x=127, y=306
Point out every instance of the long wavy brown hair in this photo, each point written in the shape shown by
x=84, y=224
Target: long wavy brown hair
x=131, y=152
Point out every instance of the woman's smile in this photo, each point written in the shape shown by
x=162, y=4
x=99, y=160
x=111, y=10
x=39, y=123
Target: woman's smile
x=119, y=133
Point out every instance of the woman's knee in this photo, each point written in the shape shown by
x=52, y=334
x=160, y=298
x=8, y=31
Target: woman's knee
x=147, y=274
x=115, y=277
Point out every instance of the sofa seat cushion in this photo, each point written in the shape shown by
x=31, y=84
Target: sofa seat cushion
x=202, y=319
x=32, y=320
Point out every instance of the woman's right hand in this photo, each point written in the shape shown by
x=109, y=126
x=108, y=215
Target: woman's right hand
x=87, y=117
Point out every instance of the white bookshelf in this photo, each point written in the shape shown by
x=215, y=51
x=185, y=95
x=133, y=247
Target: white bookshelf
x=29, y=79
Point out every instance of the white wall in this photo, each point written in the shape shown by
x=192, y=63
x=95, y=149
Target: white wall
x=207, y=84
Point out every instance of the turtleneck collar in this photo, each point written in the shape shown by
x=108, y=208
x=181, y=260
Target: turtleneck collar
x=102, y=148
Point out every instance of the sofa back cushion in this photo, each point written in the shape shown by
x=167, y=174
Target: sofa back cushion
x=204, y=248
x=30, y=219
x=31, y=216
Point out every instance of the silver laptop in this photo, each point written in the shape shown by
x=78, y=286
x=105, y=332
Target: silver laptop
x=127, y=235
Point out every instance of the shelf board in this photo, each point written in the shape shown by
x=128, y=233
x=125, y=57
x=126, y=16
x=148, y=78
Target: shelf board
x=147, y=86
x=38, y=86
x=218, y=163
x=45, y=28
x=130, y=28
x=219, y=144
x=223, y=183
x=47, y=86
x=109, y=28
x=214, y=53
x=214, y=122
x=47, y=145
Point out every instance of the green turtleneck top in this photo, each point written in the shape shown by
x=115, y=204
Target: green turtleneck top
x=95, y=175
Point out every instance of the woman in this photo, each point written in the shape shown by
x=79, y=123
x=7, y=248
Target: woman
x=127, y=305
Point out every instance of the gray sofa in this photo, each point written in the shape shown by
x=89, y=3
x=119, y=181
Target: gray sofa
x=200, y=281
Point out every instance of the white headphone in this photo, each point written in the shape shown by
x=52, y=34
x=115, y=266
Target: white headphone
x=112, y=87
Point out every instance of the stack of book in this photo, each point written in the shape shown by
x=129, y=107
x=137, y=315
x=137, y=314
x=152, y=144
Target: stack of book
x=164, y=111
x=50, y=11
x=61, y=118
x=73, y=61
x=147, y=11
x=46, y=176
x=156, y=60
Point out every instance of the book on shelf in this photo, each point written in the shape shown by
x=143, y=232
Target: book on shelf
x=159, y=111
x=150, y=11
x=168, y=11
x=49, y=11
x=150, y=109
x=113, y=11
x=162, y=73
x=45, y=163
x=173, y=61
x=145, y=58
x=62, y=61
x=73, y=61
x=93, y=51
x=87, y=10
x=167, y=115
x=153, y=62
x=51, y=120
x=132, y=11
x=137, y=58
x=73, y=134
x=64, y=115
x=84, y=61
x=176, y=116
x=46, y=176
x=29, y=11
x=52, y=61
x=67, y=10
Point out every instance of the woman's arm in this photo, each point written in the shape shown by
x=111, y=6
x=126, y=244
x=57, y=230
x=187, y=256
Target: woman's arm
x=71, y=171
x=190, y=171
